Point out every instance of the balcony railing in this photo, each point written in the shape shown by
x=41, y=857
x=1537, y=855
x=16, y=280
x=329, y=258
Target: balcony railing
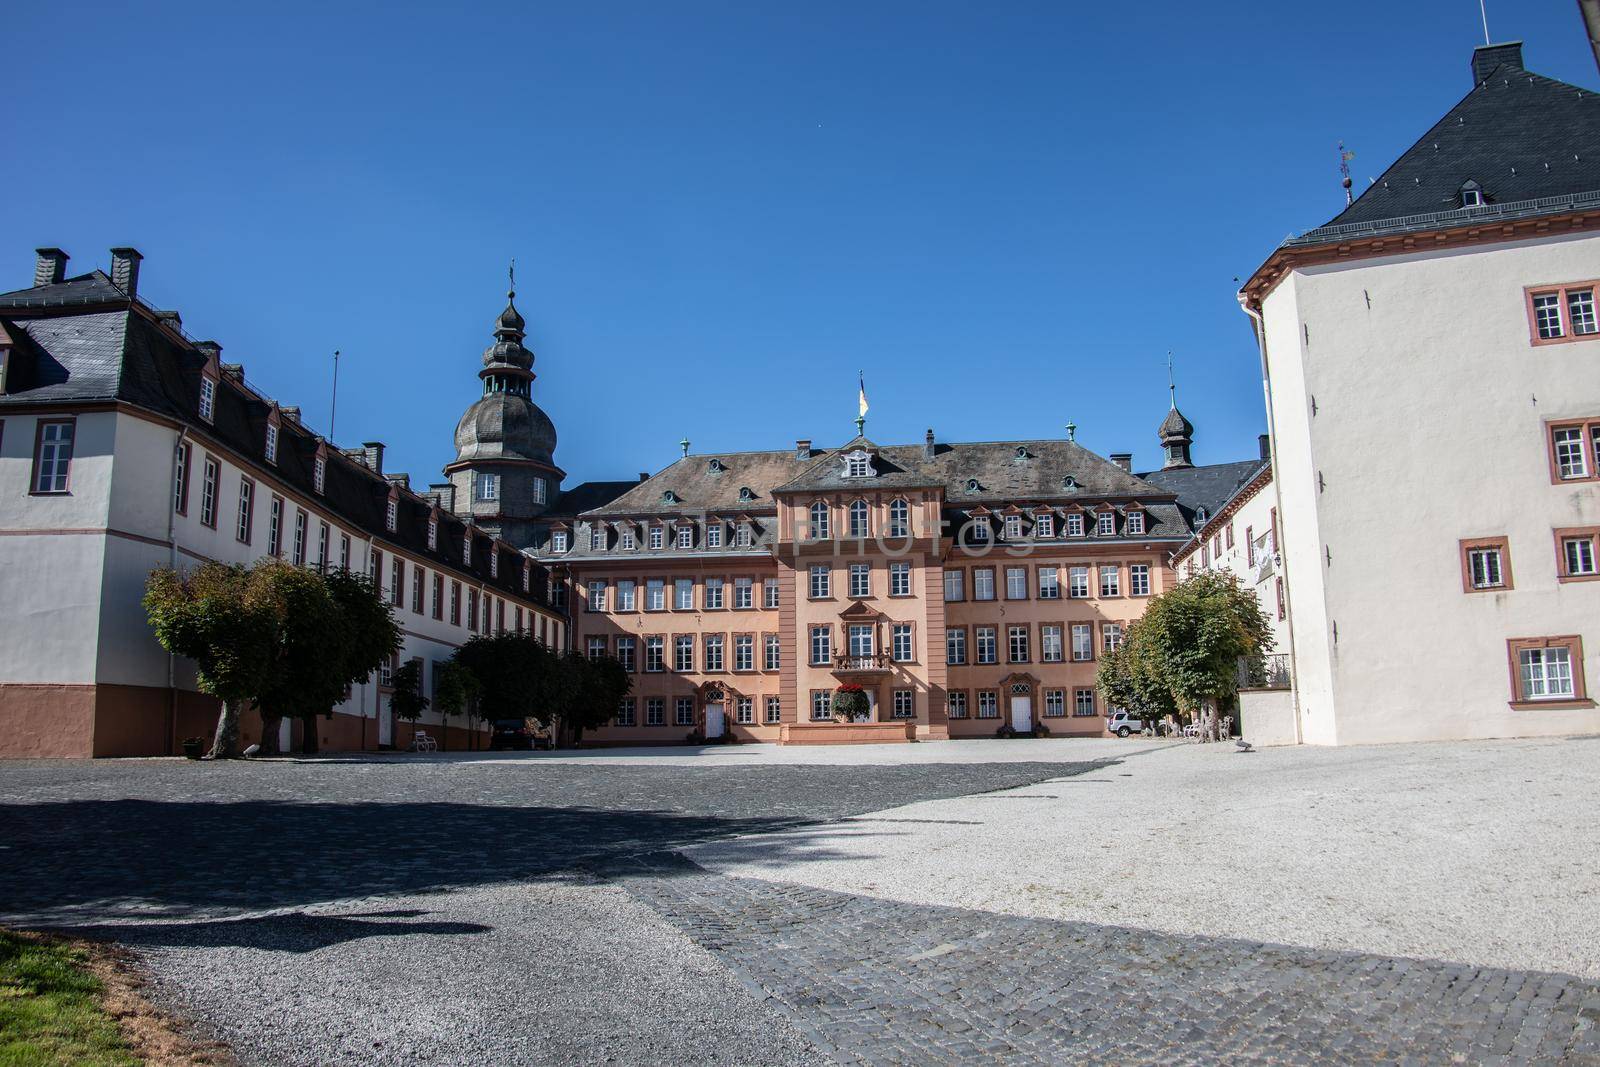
x=875, y=661
x=1271, y=673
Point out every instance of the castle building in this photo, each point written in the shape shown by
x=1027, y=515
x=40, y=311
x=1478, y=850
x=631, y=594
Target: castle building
x=126, y=445
x=1432, y=364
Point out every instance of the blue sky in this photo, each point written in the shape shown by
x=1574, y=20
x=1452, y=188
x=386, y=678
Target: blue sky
x=1006, y=214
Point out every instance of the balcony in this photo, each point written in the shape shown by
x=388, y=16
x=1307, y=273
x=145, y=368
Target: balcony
x=872, y=663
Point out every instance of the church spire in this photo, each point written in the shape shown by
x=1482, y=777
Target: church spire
x=1177, y=433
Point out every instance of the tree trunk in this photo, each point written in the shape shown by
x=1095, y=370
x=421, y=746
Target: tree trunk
x=308, y=738
x=225, y=745
x=270, y=725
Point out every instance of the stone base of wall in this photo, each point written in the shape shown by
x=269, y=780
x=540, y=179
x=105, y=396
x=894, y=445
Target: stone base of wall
x=847, y=733
x=1266, y=717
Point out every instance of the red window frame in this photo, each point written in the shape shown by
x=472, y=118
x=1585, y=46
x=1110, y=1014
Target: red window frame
x=1563, y=292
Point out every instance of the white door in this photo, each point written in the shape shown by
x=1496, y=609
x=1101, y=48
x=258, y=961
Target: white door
x=713, y=721
x=285, y=734
x=385, y=726
x=1022, y=714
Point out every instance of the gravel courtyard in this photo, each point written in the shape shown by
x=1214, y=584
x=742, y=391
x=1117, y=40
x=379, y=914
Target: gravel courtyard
x=1033, y=902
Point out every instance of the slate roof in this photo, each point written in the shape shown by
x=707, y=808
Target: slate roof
x=585, y=496
x=1209, y=487
x=698, y=488
x=1524, y=138
x=112, y=350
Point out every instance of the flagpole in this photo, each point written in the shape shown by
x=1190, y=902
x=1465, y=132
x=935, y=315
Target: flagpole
x=333, y=407
x=861, y=413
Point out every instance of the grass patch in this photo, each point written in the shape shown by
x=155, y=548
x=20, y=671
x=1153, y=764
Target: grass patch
x=50, y=1009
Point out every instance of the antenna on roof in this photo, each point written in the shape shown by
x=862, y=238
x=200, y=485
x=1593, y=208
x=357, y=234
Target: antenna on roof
x=1344, y=173
x=1172, y=386
x=1484, y=12
x=333, y=407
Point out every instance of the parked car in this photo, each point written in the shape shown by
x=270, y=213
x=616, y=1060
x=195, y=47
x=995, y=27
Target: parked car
x=1122, y=724
x=517, y=733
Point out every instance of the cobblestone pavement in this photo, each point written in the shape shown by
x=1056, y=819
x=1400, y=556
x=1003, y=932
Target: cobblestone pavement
x=875, y=981
x=355, y=912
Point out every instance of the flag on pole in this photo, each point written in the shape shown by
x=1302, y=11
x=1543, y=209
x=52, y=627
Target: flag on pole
x=863, y=380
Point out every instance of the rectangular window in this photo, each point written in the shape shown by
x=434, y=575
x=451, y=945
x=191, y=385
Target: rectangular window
x=1016, y=583
x=899, y=578
x=744, y=711
x=1105, y=524
x=597, y=647
x=455, y=603
x=418, y=578
x=391, y=515
x=1049, y=583
x=1485, y=564
x=861, y=641
x=713, y=594
x=1136, y=523
x=180, y=494
x=597, y=537
x=683, y=594
x=438, y=596
x=1082, y=642
x=821, y=645
x=625, y=653
x=397, y=583
x=627, y=595
x=597, y=594
x=771, y=654
x=1111, y=636
x=743, y=593
x=1547, y=669
x=820, y=581
x=1083, y=703
x=1017, y=644
x=319, y=474
x=1575, y=451
x=1075, y=524
x=1138, y=579
x=955, y=645
x=655, y=594
x=375, y=567
x=344, y=552
x=769, y=592
x=860, y=579
x=988, y=704
x=1110, y=581
x=1078, y=582
x=208, y=493
x=487, y=486
x=1044, y=526
x=208, y=398
x=246, y=519
x=955, y=704
x=655, y=712
x=954, y=586
x=558, y=541
x=984, y=639
x=654, y=652
x=299, y=538
x=904, y=704
x=744, y=652
x=744, y=537
x=1576, y=554
x=1050, y=649
x=658, y=535
x=1055, y=703
x=1562, y=314
x=683, y=653
x=821, y=705
x=685, y=536
x=714, y=535
x=983, y=583
x=683, y=711
x=1580, y=312
x=627, y=540
x=900, y=642
x=1013, y=527
x=714, y=652
x=625, y=712
x=774, y=709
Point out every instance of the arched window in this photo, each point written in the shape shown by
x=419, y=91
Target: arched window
x=858, y=519
x=819, y=521
x=899, y=518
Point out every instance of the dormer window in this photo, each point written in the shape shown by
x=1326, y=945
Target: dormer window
x=714, y=466
x=1105, y=524
x=494, y=562
x=978, y=530
x=657, y=537
x=744, y=536
x=972, y=485
x=466, y=548
x=858, y=464
x=1200, y=516
x=627, y=540
x=745, y=495
x=208, y=398
x=391, y=514
x=1472, y=195
x=319, y=474
x=597, y=537
x=272, y=442
x=1075, y=524
x=433, y=535
x=714, y=535
x=1044, y=525
x=685, y=536
x=558, y=541
x=669, y=497
x=527, y=575
x=1013, y=527
x=1136, y=522
x=1069, y=483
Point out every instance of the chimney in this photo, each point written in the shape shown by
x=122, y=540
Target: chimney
x=1485, y=58
x=1123, y=460
x=209, y=349
x=290, y=414
x=372, y=455
x=443, y=494
x=234, y=372
x=802, y=448
x=1264, y=442
x=171, y=320
x=402, y=480
x=125, y=270
x=927, y=444
x=644, y=476
x=50, y=267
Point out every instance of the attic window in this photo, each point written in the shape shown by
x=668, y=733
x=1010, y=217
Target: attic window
x=714, y=466
x=745, y=495
x=433, y=535
x=669, y=497
x=208, y=398
x=1200, y=515
x=1022, y=451
x=272, y=443
x=319, y=474
x=972, y=485
x=391, y=514
x=858, y=464
x=1472, y=195
x=1069, y=482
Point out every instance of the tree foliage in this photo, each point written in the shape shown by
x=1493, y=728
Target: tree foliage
x=518, y=677
x=223, y=619
x=1185, y=650
x=407, y=701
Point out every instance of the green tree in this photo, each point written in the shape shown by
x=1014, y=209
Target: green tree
x=369, y=637
x=407, y=701
x=455, y=691
x=220, y=617
x=309, y=628
x=1183, y=655
x=590, y=693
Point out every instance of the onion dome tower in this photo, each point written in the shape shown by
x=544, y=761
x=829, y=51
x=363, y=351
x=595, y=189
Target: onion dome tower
x=1177, y=432
x=504, y=474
